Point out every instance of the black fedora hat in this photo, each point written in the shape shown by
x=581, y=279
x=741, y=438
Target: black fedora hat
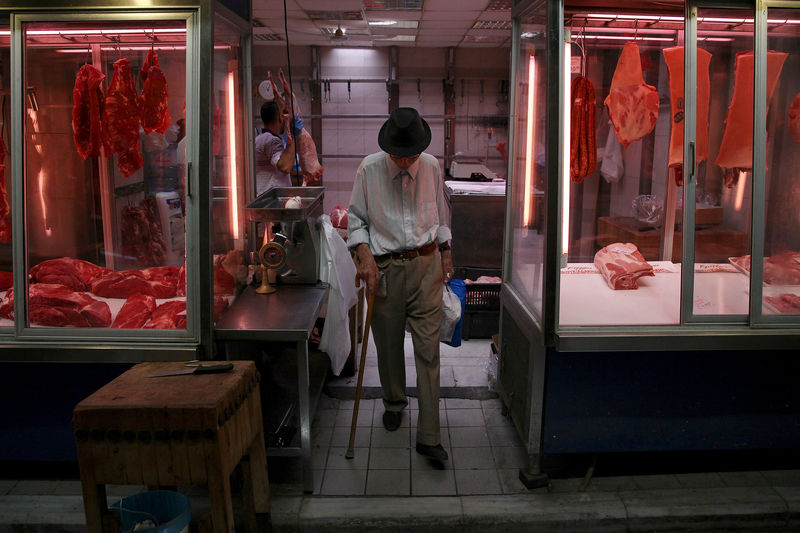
x=405, y=133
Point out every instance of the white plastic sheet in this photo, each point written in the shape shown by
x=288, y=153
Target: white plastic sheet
x=338, y=270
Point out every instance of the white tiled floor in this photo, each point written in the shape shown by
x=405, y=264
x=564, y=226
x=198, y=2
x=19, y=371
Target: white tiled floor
x=485, y=452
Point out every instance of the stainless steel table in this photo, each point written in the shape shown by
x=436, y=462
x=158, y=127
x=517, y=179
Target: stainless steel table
x=288, y=314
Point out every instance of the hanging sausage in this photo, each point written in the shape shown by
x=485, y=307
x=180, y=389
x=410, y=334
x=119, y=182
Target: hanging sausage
x=583, y=135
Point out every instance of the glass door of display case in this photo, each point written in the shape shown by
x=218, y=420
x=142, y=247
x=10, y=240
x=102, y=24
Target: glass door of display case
x=776, y=184
x=718, y=127
x=102, y=101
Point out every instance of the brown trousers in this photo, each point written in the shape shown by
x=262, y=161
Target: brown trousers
x=413, y=295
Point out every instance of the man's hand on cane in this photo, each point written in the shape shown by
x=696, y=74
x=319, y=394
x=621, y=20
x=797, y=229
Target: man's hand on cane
x=366, y=268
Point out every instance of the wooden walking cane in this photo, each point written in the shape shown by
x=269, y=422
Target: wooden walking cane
x=370, y=299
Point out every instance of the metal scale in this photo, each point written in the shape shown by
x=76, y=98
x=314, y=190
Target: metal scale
x=291, y=236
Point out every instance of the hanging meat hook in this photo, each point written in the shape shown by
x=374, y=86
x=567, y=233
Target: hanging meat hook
x=419, y=91
x=348, y=90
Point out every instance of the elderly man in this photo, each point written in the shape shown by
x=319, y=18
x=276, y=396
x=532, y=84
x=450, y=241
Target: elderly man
x=399, y=227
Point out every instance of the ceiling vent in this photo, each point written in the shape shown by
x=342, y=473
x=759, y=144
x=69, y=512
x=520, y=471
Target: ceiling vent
x=492, y=25
x=499, y=5
x=267, y=37
x=335, y=15
x=393, y=5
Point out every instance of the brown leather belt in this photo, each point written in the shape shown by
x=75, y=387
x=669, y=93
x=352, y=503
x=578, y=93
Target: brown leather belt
x=410, y=254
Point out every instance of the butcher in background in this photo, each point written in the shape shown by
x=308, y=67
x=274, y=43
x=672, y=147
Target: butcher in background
x=274, y=153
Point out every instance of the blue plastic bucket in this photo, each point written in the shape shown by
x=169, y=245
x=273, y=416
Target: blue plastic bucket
x=170, y=511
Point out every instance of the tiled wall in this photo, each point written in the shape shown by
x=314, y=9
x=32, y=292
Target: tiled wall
x=347, y=132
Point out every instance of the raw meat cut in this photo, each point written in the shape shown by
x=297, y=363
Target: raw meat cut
x=167, y=274
x=779, y=269
x=6, y=279
x=339, y=217
x=736, y=151
x=135, y=312
x=621, y=265
x=5, y=209
x=180, y=289
x=153, y=100
x=142, y=240
x=674, y=59
x=121, y=117
x=787, y=303
x=583, y=134
x=632, y=104
x=220, y=304
x=169, y=315
x=73, y=273
x=306, y=148
x=794, y=118
x=51, y=304
x=87, y=110
x=293, y=203
x=126, y=283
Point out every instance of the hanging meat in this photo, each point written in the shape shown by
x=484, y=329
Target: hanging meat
x=674, y=59
x=306, y=148
x=121, y=117
x=583, y=137
x=632, y=104
x=142, y=239
x=153, y=100
x=5, y=209
x=87, y=110
x=794, y=118
x=736, y=151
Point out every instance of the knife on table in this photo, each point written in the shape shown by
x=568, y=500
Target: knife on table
x=211, y=368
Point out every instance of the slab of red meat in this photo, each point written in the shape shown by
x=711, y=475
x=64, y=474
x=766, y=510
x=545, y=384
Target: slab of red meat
x=583, y=135
x=51, y=304
x=73, y=273
x=674, y=59
x=167, y=274
x=5, y=210
x=126, y=283
x=169, y=315
x=142, y=240
x=220, y=304
x=632, y=104
x=736, y=151
x=621, y=265
x=339, y=217
x=87, y=110
x=6, y=279
x=121, y=117
x=794, y=118
x=153, y=100
x=181, y=288
x=779, y=269
x=135, y=312
x=787, y=303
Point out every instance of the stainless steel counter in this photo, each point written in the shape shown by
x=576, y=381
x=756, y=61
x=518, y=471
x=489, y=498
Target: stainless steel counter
x=288, y=314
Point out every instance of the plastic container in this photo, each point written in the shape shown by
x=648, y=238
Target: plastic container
x=170, y=511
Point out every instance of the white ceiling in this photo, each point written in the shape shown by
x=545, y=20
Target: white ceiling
x=422, y=23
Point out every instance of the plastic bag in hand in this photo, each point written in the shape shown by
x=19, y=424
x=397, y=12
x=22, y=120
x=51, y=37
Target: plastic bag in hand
x=453, y=299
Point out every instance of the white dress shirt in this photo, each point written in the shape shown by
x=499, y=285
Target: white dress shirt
x=394, y=210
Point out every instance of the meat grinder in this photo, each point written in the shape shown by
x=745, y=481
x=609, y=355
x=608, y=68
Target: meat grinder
x=291, y=244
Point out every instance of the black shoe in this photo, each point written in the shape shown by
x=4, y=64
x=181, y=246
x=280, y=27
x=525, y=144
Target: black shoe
x=391, y=420
x=437, y=453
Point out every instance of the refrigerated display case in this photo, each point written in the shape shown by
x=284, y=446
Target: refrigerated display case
x=124, y=138
x=662, y=135
x=127, y=163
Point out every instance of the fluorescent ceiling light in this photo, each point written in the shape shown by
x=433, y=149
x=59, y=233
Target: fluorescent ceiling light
x=381, y=22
